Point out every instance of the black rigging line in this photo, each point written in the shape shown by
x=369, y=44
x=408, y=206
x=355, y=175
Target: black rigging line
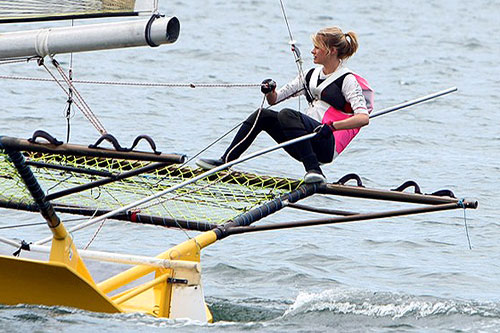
x=70, y=95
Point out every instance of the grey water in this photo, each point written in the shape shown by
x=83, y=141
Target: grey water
x=408, y=274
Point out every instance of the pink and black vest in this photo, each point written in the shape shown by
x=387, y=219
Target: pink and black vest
x=327, y=103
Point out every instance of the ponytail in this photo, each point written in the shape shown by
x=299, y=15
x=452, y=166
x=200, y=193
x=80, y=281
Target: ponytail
x=352, y=45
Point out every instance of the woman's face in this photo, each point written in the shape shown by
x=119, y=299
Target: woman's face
x=319, y=55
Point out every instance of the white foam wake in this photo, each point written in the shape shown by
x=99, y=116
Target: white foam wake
x=355, y=302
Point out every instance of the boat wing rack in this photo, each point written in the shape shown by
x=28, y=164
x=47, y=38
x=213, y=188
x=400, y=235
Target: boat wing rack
x=93, y=181
x=437, y=201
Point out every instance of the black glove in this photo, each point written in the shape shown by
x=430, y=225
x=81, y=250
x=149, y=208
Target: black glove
x=267, y=86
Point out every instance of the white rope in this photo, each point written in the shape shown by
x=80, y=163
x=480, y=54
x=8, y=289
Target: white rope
x=249, y=132
x=139, y=84
x=95, y=234
x=97, y=231
x=42, y=42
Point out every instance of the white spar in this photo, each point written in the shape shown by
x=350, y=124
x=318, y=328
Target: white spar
x=119, y=258
x=91, y=37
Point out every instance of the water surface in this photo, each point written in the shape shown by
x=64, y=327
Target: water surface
x=405, y=274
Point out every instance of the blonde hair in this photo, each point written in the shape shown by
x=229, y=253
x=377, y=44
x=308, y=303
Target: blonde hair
x=331, y=38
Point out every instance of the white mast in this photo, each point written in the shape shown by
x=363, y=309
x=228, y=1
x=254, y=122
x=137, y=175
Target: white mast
x=43, y=42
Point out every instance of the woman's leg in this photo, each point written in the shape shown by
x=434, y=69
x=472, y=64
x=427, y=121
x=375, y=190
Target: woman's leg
x=285, y=125
x=294, y=125
x=323, y=144
x=267, y=121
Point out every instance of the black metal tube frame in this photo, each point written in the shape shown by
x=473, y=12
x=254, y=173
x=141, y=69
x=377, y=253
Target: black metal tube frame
x=232, y=230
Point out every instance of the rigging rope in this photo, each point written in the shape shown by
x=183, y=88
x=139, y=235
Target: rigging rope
x=295, y=50
x=139, y=84
x=95, y=233
x=79, y=102
x=249, y=132
x=68, y=114
x=298, y=61
x=211, y=144
x=99, y=228
x=69, y=102
x=5, y=62
x=15, y=226
x=461, y=204
x=22, y=225
x=89, y=114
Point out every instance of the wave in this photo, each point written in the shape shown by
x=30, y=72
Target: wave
x=390, y=305
x=335, y=310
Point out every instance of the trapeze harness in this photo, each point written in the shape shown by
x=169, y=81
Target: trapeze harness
x=328, y=104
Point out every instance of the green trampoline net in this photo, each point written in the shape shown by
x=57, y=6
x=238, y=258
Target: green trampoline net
x=212, y=200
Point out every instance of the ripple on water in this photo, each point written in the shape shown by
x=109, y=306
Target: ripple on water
x=337, y=306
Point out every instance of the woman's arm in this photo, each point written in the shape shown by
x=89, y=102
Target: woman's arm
x=272, y=97
x=293, y=88
x=358, y=120
x=354, y=96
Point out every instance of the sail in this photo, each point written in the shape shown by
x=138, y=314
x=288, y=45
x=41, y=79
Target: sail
x=43, y=10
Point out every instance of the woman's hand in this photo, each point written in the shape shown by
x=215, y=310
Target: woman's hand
x=268, y=87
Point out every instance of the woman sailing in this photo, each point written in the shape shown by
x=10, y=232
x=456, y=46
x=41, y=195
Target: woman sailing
x=338, y=98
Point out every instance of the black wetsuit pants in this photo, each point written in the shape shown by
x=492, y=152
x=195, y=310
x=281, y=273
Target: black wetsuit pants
x=283, y=126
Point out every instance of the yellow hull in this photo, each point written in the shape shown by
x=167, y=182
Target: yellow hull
x=65, y=281
x=49, y=283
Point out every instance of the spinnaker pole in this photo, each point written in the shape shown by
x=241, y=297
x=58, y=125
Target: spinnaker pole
x=414, y=102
